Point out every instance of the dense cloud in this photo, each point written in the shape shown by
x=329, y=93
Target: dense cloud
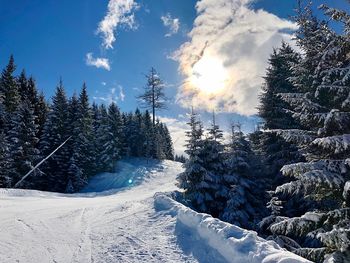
x=234, y=41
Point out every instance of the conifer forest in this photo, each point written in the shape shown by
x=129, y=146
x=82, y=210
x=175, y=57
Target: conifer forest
x=112, y=185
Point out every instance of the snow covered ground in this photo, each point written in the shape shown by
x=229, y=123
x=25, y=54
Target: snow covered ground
x=118, y=218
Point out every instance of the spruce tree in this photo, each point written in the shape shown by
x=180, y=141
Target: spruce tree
x=56, y=131
x=112, y=151
x=9, y=87
x=22, y=139
x=84, y=140
x=319, y=184
x=244, y=197
x=103, y=147
x=273, y=109
x=212, y=155
x=192, y=179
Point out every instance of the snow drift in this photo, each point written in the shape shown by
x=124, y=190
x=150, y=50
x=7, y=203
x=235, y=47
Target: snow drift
x=235, y=244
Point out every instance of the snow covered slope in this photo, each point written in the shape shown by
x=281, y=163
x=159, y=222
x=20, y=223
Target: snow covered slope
x=116, y=219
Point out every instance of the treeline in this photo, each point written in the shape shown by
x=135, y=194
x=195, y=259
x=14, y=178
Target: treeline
x=98, y=135
x=290, y=181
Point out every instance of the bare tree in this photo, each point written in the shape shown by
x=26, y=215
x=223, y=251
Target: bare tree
x=153, y=97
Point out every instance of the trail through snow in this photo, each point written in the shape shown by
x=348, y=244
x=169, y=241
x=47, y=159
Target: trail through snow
x=108, y=225
x=114, y=219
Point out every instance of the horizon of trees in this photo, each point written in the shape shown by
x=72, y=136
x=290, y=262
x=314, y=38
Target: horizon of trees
x=31, y=128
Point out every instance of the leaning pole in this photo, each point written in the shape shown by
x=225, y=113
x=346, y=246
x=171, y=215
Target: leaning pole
x=40, y=163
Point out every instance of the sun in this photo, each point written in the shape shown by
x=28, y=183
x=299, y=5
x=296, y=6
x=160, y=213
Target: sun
x=209, y=75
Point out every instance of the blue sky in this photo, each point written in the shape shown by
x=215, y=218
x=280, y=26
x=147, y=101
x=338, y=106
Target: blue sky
x=52, y=38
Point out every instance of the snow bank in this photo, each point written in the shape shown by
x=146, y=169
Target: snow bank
x=9, y=192
x=235, y=244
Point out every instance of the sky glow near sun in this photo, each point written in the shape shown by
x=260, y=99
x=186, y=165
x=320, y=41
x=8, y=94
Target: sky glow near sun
x=224, y=60
x=209, y=75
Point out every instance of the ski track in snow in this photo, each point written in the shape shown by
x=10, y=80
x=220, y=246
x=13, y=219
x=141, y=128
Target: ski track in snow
x=111, y=226
x=119, y=218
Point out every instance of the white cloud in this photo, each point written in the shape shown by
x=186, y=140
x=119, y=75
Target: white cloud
x=173, y=24
x=121, y=93
x=112, y=96
x=103, y=83
x=97, y=62
x=231, y=43
x=120, y=13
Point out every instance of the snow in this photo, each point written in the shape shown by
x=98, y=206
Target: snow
x=233, y=243
x=118, y=218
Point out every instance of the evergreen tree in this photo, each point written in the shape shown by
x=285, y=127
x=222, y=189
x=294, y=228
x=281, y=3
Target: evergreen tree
x=244, y=202
x=168, y=143
x=192, y=179
x=41, y=112
x=113, y=145
x=22, y=140
x=84, y=139
x=104, y=162
x=149, y=144
x=320, y=183
x=5, y=179
x=56, y=131
x=9, y=87
x=273, y=109
x=212, y=155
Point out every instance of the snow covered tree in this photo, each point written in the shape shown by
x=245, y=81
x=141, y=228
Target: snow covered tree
x=84, y=139
x=102, y=140
x=149, y=144
x=192, y=179
x=273, y=109
x=9, y=87
x=23, y=154
x=56, y=131
x=5, y=179
x=321, y=230
x=168, y=143
x=212, y=155
x=113, y=143
x=244, y=198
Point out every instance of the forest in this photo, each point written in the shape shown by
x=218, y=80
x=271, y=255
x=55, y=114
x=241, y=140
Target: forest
x=290, y=179
x=98, y=135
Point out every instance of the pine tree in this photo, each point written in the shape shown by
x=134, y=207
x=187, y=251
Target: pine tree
x=113, y=144
x=84, y=140
x=149, y=144
x=273, y=109
x=5, y=179
x=104, y=162
x=137, y=138
x=192, y=180
x=212, y=155
x=168, y=143
x=320, y=183
x=22, y=140
x=9, y=87
x=56, y=131
x=244, y=197
x=41, y=111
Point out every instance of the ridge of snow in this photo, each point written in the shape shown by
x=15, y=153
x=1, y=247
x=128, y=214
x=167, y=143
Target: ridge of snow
x=233, y=243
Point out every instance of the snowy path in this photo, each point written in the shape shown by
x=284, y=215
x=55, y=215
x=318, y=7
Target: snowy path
x=115, y=226
x=115, y=220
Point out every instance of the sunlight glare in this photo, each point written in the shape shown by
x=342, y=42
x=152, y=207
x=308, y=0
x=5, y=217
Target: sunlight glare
x=209, y=75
